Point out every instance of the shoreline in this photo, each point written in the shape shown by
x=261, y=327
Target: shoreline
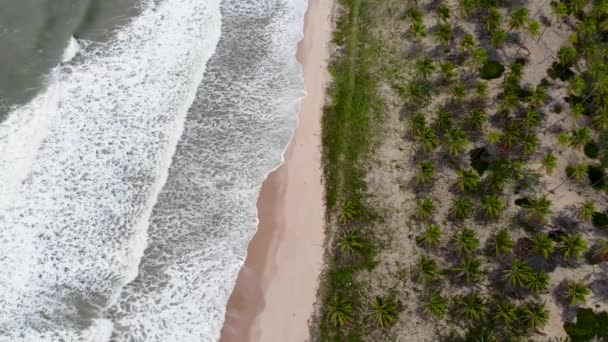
x=277, y=284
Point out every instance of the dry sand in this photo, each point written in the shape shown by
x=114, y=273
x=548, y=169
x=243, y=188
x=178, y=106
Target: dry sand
x=276, y=287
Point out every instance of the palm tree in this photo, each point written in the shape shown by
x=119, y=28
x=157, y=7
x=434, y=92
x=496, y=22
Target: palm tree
x=518, y=274
x=493, y=20
x=443, y=12
x=427, y=139
x=444, y=120
x=447, y=71
x=566, y=55
x=501, y=243
x=579, y=137
x=532, y=119
x=350, y=211
x=560, y=10
x=498, y=38
x=577, y=110
x=600, y=252
x=444, y=33
x=467, y=179
x=456, y=141
x=459, y=92
x=479, y=57
x=461, y=208
x=466, y=7
x=467, y=43
x=586, y=211
x=419, y=30
x=529, y=144
x=468, y=269
x=572, y=246
x=350, y=243
x=477, y=117
x=417, y=123
x=538, y=282
x=424, y=208
x=491, y=206
x=549, y=162
x=538, y=208
x=430, y=237
x=384, y=312
x=425, y=67
x=339, y=310
x=576, y=85
x=505, y=312
x=496, y=180
x=600, y=120
x=542, y=245
x=426, y=172
x=466, y=241
x=472, y=307
x=576, y=292
x=533, y=28
x=435, y=305
x=426, y=270
x=577, y=171
x=518, y=18
x=481, y=89
x=535, y=315
x=510, y=136
x=537, y=98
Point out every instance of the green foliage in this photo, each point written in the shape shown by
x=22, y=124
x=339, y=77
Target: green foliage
x=425, y=67
x=586, y=210
x=588, y=325
x=426, y=172
x=535, y=315
x=339, y=311
x=426, y=270
x=384, y=312
x=479, y=58
x=537, y=209
x=472, y=307
x=493, y=20
x=447, y=71
x=468, y=270
x=600, y=220
x=591, y=150
x=600, y=252
x=351, y=211
x=572, y=246
x=350, y=243
x=518, y=274
x=443, y=12
x=518, y=18
x=579, y=137
x=577, y=171
x=462, y=208
x=501, y=243
x=468, y=42
x=477, y=117
x=538, y=282
x=467, y=179
x=549, y=161
x=466, y=241
x=505, y=312
x=444, y=33
x=576, y=292
x=427, y=139
x=492, y=70
x=466, y=8
x=542, y=245
x=424, y=208
x=498, y=38
x=430, y=237
x=492, y=206
x=435, y=305
x=456, y=141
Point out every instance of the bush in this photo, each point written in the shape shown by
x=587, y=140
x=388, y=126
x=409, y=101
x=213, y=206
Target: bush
x=592, y=150
x=492, y=70
x=600, y=220
x=588, y=325
x=597, y=177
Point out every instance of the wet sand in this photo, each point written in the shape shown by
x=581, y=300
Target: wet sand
x=276, y=288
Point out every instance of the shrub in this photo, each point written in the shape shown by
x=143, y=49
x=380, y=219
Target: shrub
x=492, y=70
x=600, y=220
x=597, y=177
x=588, y=325
x=592, y=150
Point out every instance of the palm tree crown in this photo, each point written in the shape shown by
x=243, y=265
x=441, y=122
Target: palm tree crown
x=518, y=274
x=501, y=243
x=340, y=311
x=542, y=244
x=572, y=246
x=576, y=292
x=466, y=241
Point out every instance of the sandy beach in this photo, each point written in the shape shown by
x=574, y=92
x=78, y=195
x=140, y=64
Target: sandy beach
x=276, y=287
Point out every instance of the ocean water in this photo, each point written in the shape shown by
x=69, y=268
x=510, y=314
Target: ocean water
x=128, y=181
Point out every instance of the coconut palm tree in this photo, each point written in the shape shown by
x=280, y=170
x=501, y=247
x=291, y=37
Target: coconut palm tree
x=542, y=245
x=518, y=273
x=549, y=162
x=537, y=98
x=579, y=137
x=529, y=144
x=472, y=307
x=467, y=44
x=538, y=282
x=459, y=92
x=481, y=89
x=572, y=246
x=430, y=237
x=443, y=12
x=586, y=211
x=435, y=305
x=447, y=71
x=418, y=29
x=425, y=67
x=538, y=208
x=466, y=241
x=426, y=270
x=424, y=208
x=559, y=10
x=511, y=135
x=461, y=208
x=479, y=57
x=505, y=312
x=577, y=171
x=466, y=8
x=491, y=206
x=350, y=211
x=535, y=315
x=531, y=119
x=600, y=252
x=444, y=34
x=339, y=310
x=518, y=18
x=533, y=28
x=468, y=270
x=467, y=179
x=456, y=141
x=566, y=55
x=477, y=117
x=576, y=292
x=496, y=180
x=498, y=38
x=417, y=123
x=501, y=243
x=350, y=243
x=427, y=138
x=426, y=172
x=493, y=20
x=444, y=120
x=600, y=119
x=576, y=85
x=384, y=312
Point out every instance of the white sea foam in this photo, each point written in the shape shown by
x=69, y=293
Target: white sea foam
x=82, y=166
